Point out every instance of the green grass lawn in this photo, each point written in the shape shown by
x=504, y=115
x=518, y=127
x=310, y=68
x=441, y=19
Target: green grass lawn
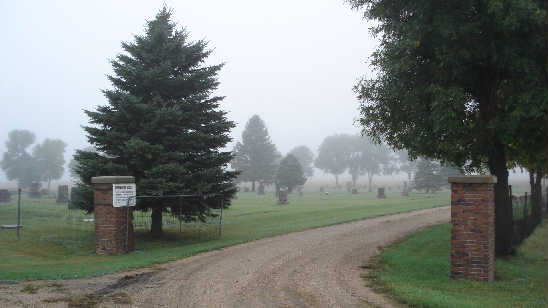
x=56, y=243
x=416, y=272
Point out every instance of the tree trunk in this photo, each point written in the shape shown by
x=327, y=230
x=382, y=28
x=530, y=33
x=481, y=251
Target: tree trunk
x=253, y=186
x=536, y=196
x=354, y=180
x=336, y=180
x=504, y=224
x=156, y=225
x=370, y=177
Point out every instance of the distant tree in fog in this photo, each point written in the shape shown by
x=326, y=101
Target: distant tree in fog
x=305, y=157
x=406, y=165
x=49, y=156
x=333, y=155
x=431, y=175
x=367, y=158
x=17, y=163
x=290, y=173
x=256, y=156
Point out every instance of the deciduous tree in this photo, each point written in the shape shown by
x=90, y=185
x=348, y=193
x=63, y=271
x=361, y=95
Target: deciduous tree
x=367, y=158
x=333, y=155
x=49, y=156
x=453, y=78
x=17, y=163
x=305, y=157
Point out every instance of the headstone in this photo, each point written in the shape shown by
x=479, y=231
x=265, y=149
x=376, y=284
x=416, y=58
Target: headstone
x=44, y=192
x=5, y=196
x=354, y=191
x=62, y=193
x=405, y=192
x=260, y=189
x=348, y=186
x=34, y=191
x=322, y=189
x=380, y=193
x=282, y=196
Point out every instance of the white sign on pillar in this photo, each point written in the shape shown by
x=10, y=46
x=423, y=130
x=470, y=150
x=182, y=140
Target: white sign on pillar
x=121, y=193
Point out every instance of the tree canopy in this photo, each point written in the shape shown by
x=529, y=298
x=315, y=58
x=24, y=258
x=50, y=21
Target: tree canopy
x=17, y=163
x=367, y=158
x=256, y=157
x=49, y=156
x=290, y=173
x=305, y=157
x=431, y=176
x=162, y=124
x=333, y=155
x=454, y=80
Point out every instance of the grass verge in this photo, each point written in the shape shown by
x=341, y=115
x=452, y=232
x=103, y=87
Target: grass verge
x=416, y=272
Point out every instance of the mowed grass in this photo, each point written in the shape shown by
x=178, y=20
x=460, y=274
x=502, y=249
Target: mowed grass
x=416, y=272
x=55, y=243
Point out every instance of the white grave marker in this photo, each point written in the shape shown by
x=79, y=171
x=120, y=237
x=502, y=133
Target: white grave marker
x=121, y=193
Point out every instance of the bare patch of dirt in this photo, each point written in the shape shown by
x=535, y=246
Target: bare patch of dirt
x=314, y=268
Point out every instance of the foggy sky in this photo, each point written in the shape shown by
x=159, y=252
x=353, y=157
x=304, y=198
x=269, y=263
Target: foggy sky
x=291, y=62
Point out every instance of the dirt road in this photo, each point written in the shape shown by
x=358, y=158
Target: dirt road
x=314, y=268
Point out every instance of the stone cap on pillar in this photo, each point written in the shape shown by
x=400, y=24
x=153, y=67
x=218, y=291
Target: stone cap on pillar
x=473, y=179
x=116, y=179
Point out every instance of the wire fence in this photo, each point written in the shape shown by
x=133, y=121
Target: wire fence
x=525, y=219
x=41, y=218
x=44, y=219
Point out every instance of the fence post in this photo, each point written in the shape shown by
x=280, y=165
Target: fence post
x=524, y=230
x=18, y=211
x=473, y=230
x=221, y=219
x=113, y=225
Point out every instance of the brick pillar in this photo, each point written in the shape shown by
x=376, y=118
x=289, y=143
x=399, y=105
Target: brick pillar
x=111, y=222
x=473, y=231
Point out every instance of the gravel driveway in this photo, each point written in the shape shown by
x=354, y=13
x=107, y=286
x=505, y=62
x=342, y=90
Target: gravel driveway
x=314, y=268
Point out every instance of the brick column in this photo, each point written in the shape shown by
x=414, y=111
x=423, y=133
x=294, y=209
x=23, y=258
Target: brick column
x=473, y=231
x=110, y=222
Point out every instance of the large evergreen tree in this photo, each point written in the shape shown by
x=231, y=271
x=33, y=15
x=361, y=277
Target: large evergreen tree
x=455, y=79
x=256, y=156
x=162, y=124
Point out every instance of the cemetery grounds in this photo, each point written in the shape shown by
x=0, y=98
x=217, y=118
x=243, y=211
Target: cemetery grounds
x=56, y=242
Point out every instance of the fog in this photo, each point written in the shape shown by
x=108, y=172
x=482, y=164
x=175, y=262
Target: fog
x=291, y=62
